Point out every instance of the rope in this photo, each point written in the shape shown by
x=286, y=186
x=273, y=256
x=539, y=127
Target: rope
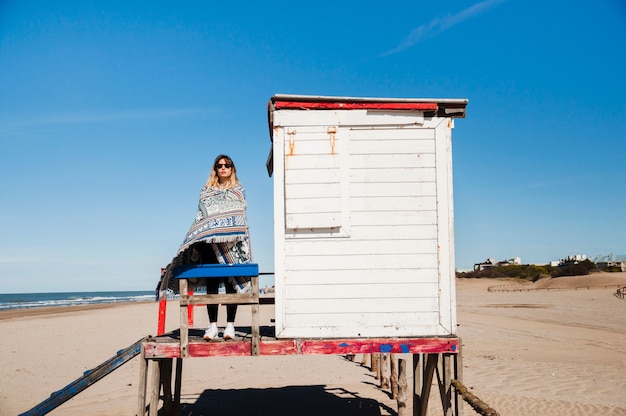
x=478, y=405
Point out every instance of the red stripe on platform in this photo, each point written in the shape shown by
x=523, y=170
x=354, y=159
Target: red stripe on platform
x=317, y=105
x=372, y=346
x=307, y=346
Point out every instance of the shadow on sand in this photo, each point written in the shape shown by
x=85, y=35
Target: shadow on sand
x=283, y=401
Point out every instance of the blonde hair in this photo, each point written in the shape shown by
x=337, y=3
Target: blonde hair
x=214, y=180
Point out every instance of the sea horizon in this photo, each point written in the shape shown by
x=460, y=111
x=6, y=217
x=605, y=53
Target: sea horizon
x=10, y=301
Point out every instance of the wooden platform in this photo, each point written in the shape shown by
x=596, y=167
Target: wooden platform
x=168, y=345
x=161, y=364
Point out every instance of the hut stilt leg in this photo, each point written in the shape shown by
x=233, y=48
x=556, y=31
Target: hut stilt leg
x=166, y=383
x=394, y=376
x=143, y=378
x=401, y=397
x=423, y=381
x=178, y=383
x=444, y=381
x=458, y=375
x=155, y=387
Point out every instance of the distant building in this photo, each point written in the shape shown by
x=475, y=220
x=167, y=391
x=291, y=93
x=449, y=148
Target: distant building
x=610, y=261
x=490, y=262
x=575, y=259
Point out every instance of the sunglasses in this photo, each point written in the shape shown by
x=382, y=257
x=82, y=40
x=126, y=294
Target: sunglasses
x=223, y=165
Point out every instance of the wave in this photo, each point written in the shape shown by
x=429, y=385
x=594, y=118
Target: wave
x=36, y=300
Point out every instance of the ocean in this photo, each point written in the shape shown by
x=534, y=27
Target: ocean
x=36, y=300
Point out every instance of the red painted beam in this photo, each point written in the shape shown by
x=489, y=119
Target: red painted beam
x=372, y=346
x=307, y=346
x=317, y=105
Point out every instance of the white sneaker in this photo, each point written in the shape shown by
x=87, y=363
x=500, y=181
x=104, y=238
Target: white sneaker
x=211, y=332
x=229, y=331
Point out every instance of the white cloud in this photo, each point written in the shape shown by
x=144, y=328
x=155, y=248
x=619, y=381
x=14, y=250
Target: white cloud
x=441, y=24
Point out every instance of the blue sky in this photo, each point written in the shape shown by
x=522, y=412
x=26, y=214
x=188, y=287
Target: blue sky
x=111, y=114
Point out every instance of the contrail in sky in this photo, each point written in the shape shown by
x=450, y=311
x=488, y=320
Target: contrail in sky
x=441, y=24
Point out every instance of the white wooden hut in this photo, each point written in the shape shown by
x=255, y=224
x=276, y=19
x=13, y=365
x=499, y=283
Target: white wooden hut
x=363, y=216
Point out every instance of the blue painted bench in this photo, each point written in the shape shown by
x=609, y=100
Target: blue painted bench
x=214, y=271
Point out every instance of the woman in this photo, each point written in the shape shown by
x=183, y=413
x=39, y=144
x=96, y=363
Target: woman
x=221, y=222
x=226, y=193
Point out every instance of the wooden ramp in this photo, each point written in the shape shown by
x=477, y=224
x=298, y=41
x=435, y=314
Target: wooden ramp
x=88, y=378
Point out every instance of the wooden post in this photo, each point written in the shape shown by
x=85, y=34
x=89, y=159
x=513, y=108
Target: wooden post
x=384, y=372
x=184, y=316
x=143, y=378
x=402, y=385
x=430, y=363
x=178, y=383
x=165, y=375
x=458, y=375
x=417, y=382
x=155, y=388
x=256, y=318
x=445, y=386
x=374, y=364
x=364, y=360
x=378, y=367
x=394, y=376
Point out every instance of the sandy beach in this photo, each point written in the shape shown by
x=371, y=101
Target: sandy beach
x=555, y=347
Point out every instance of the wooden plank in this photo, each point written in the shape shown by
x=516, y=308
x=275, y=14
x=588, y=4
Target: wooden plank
x=222, y=298
x=398, y=203
x=430, y=363
x=445, y=213
x=143, y=379
x=387, y=190
x=310, y=221
x=405, y=218
x=391, y=146
x=178, y=383
x=392, y=174
x=318, y=144
x=371, y=261
x=311, y=176
x=219, y=349
x=380, y=305
x=355, y=247
x=331, y=204
x=158, y=350
x=283, y=347
x=321, y=190
x=385, y=345
x=380, y=290
x=402, y=388
x=394, y=232
x=387, y=134
x=184, y=316
x=311, y=162
x=426, y=160
x=401, y=321
x=255, y=320
x=155, y=387
x=369, y=276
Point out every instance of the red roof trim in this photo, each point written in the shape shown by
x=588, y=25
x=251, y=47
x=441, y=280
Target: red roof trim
x=318, y=105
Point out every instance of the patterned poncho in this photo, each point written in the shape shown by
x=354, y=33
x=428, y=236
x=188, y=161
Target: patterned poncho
x=220, y=223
